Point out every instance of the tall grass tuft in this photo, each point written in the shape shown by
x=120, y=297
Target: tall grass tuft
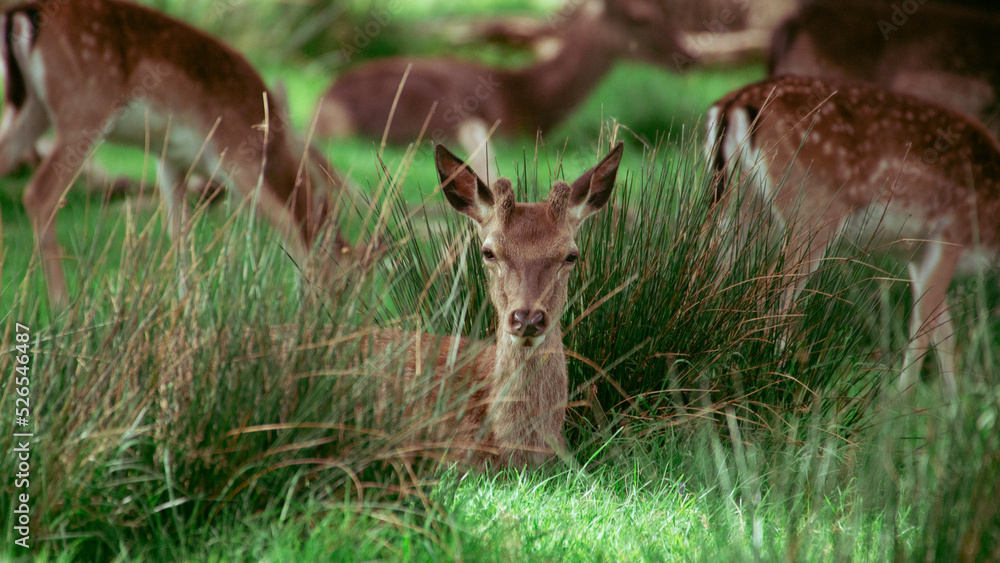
x=661, y=302
x=680, y=301
x=157, y=416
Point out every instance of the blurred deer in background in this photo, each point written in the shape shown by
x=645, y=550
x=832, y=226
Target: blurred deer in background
x=829, y=159
x=463, y=100
x=109, y=70
x=945, y=54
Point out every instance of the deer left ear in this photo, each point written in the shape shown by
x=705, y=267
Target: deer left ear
x=461, y=186
x=592, y=191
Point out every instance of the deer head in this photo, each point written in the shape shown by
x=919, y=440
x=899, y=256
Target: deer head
x=528, y=248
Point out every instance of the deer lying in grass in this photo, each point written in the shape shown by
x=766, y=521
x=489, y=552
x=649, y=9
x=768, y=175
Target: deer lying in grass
x=99, y=70
x=528, y=250
x=917, y=178
x=463, y=100
x=945, y=54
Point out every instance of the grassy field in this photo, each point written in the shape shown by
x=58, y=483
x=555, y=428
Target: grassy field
x=233, y=424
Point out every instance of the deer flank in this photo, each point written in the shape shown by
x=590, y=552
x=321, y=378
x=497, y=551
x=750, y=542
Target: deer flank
x=832, y=159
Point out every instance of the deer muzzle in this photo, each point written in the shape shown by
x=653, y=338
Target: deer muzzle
x=528, y=325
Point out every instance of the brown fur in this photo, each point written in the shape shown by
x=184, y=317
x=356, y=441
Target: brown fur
x=103, y=65
x=523, y=101
x=945, y=54
x=519, y=384
x=926, y=179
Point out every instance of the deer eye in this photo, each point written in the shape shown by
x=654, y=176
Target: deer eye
x=572, y=257
x=488, y=255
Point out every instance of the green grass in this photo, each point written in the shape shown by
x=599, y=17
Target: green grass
x=178, y=413
x=235, y=424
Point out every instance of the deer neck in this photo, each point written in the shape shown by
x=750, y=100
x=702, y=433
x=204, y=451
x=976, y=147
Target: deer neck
x=545, y=93
x=528, y=395
x=518, y=368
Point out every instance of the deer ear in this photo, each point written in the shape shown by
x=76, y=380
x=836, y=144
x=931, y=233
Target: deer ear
x=463, y=189
x=592, y=191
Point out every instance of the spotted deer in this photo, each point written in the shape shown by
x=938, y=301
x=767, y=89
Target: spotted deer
x=945, y=54
x=463, y=100
x=110, y=70
x=528, y=250
x=851, y=159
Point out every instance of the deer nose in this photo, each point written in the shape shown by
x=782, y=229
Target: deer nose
x=526, y=322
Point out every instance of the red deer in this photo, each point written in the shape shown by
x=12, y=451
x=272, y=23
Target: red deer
x=528, y=251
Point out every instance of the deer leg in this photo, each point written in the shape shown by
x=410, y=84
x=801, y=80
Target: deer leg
x=930, y=324
x=809, y=254
x=41, y=201
x=20, y=130
x=807, y=247
x=97, y=180
x=173, y=193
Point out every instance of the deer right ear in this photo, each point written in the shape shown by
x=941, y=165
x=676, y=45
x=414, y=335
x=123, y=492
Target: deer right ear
x=463, y=189
x=591, y=191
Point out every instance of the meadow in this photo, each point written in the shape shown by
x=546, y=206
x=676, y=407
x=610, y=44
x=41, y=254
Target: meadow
x=232, y=423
